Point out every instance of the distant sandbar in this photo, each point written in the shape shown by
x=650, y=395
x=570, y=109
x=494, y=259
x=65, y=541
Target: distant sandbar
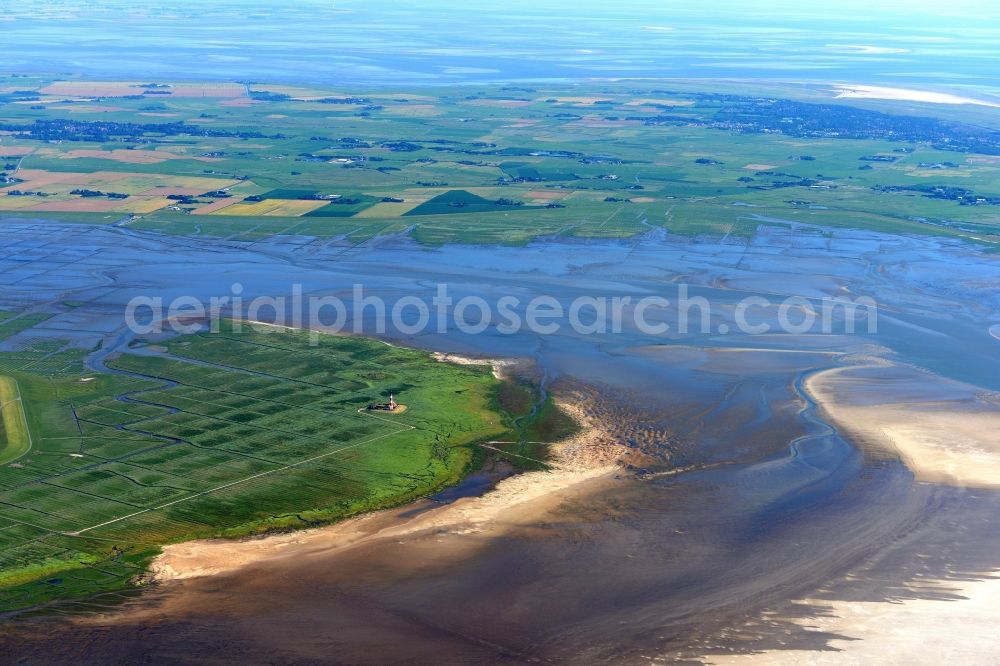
x=944, y=431
x=908, y=95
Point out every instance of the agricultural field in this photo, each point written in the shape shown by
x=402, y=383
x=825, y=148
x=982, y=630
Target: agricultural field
x=227, y=434
x=15, y=440
x=485, y=164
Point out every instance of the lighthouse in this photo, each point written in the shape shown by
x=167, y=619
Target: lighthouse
x=392, y=403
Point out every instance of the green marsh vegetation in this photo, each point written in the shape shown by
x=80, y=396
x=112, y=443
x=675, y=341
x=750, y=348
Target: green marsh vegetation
x=232, y=434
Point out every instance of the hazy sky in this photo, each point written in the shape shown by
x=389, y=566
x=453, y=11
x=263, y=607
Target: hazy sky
x=390, y=41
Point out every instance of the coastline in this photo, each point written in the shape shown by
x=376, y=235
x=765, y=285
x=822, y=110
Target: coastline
x=580, y=465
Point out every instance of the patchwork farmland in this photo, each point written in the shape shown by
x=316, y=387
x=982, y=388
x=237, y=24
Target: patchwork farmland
x=482, y=165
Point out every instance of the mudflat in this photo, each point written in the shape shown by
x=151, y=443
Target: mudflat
x=746, y=500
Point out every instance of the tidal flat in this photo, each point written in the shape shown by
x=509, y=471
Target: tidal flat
x=751, y=513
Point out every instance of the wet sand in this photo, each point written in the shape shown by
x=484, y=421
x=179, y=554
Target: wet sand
x=930, y=597
x=959, y=630
x=944, y=431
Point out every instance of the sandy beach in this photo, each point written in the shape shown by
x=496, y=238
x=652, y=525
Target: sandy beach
x=512, y=501
x=944, y=431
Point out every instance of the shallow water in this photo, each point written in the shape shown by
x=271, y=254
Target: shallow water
x=777, y=505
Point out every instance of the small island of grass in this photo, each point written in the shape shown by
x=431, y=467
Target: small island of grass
x=228, y=434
